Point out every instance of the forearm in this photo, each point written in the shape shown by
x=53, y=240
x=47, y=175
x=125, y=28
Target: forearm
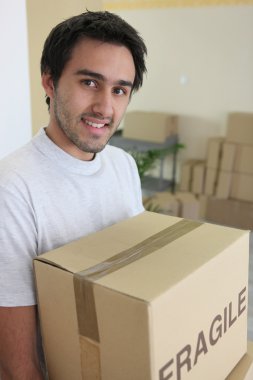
x=19, y=357
x=21, y=373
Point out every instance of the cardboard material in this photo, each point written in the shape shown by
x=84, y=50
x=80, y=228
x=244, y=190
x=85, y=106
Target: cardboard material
x=244, y=159
x=242, y=187
x=198, y=180
x=189, y=207
x=244, y=369
x=203, y=199
x=210, y=181
x=224, y=185
x=214, y=149
x=228, y=157
x=240, y=128
x=149, y=126
x=182, y=204
x=163, y=203
x=145, y=299
x=187, y=174
x=230, y=212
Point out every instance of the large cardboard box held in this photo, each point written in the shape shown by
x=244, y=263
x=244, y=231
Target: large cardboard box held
x=149, y=126
x=244, y=369
x=151, y=298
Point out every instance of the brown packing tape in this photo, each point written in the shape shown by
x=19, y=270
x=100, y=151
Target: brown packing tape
x=83, y=281
x=90, y=359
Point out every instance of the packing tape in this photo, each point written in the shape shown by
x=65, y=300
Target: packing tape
x=83, y=281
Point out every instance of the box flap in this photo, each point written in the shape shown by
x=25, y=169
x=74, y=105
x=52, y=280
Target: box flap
x=75, y=257
x=151, y=241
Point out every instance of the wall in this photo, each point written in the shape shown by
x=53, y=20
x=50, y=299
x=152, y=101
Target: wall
x=43, y=15
x=14, y=97
x=199, y=66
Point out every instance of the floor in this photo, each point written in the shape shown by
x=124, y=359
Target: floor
x=250, y=314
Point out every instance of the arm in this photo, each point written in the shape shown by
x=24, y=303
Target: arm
x=18, y=349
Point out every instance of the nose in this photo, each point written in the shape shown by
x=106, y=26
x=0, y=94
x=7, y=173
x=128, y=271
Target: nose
x=103, y=103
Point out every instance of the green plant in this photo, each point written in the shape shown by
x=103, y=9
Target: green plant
x=146, y=160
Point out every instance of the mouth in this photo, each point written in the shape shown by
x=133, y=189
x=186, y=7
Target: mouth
x=95, y=124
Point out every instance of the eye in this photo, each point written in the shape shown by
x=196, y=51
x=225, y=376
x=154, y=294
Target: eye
x=89, y=82
x=119, y=91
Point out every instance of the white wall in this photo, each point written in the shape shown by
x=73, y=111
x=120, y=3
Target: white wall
x=211, y=47
x=15, y=126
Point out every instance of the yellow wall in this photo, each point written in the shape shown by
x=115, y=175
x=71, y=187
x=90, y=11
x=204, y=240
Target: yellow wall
x=199, y=63
x=42, y=16
x=144, y=4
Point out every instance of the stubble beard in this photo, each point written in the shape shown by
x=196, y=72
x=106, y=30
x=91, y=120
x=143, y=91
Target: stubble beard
x=66, y=123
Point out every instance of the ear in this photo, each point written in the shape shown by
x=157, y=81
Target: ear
x=47, y=83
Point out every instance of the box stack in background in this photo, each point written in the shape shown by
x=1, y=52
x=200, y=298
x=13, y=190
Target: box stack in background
x=227, y=196
x=182, y=204
x=139, y=125
x=233, y=201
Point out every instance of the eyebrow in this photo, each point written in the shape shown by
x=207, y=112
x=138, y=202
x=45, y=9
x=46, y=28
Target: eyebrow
x=120, y=82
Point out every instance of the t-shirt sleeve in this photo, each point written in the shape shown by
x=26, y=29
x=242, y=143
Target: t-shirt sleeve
x=18, y=244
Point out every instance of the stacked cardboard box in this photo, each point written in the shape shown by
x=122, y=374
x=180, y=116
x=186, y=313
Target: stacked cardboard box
x=232, y=204
x=150, y=126
x=192, y=176
x=182, y=204
x=146, y=299
x=214, y=152
x=228, y=186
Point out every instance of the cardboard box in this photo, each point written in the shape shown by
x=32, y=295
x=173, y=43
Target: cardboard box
x=149, y=126
x=187, y=174
x=224, y=185
x=182, y=204
x=189, y=207
x=244, y=369
x=230, y=212
x=240, y=128
x=228, y=157
x=210, y=181
x=163, y=203
x=242, y=187
x=244, y=159
x=214, y=149
x=146, y=299
x=203, y=199
x=198, y=178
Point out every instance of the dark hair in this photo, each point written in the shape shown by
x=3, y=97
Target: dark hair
x=103, y=26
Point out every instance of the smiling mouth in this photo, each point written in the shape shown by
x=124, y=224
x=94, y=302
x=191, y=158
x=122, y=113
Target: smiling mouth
x=94, y=125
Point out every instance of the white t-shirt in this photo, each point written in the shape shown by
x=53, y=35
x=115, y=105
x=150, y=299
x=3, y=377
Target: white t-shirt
x=49, y=198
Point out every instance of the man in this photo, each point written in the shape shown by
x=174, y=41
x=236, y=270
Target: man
x=66, y=183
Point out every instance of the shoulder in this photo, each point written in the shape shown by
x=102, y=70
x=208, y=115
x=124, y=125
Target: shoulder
x=19, y=164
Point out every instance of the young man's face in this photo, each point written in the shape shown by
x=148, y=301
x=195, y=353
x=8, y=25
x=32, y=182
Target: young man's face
x=91, y=97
